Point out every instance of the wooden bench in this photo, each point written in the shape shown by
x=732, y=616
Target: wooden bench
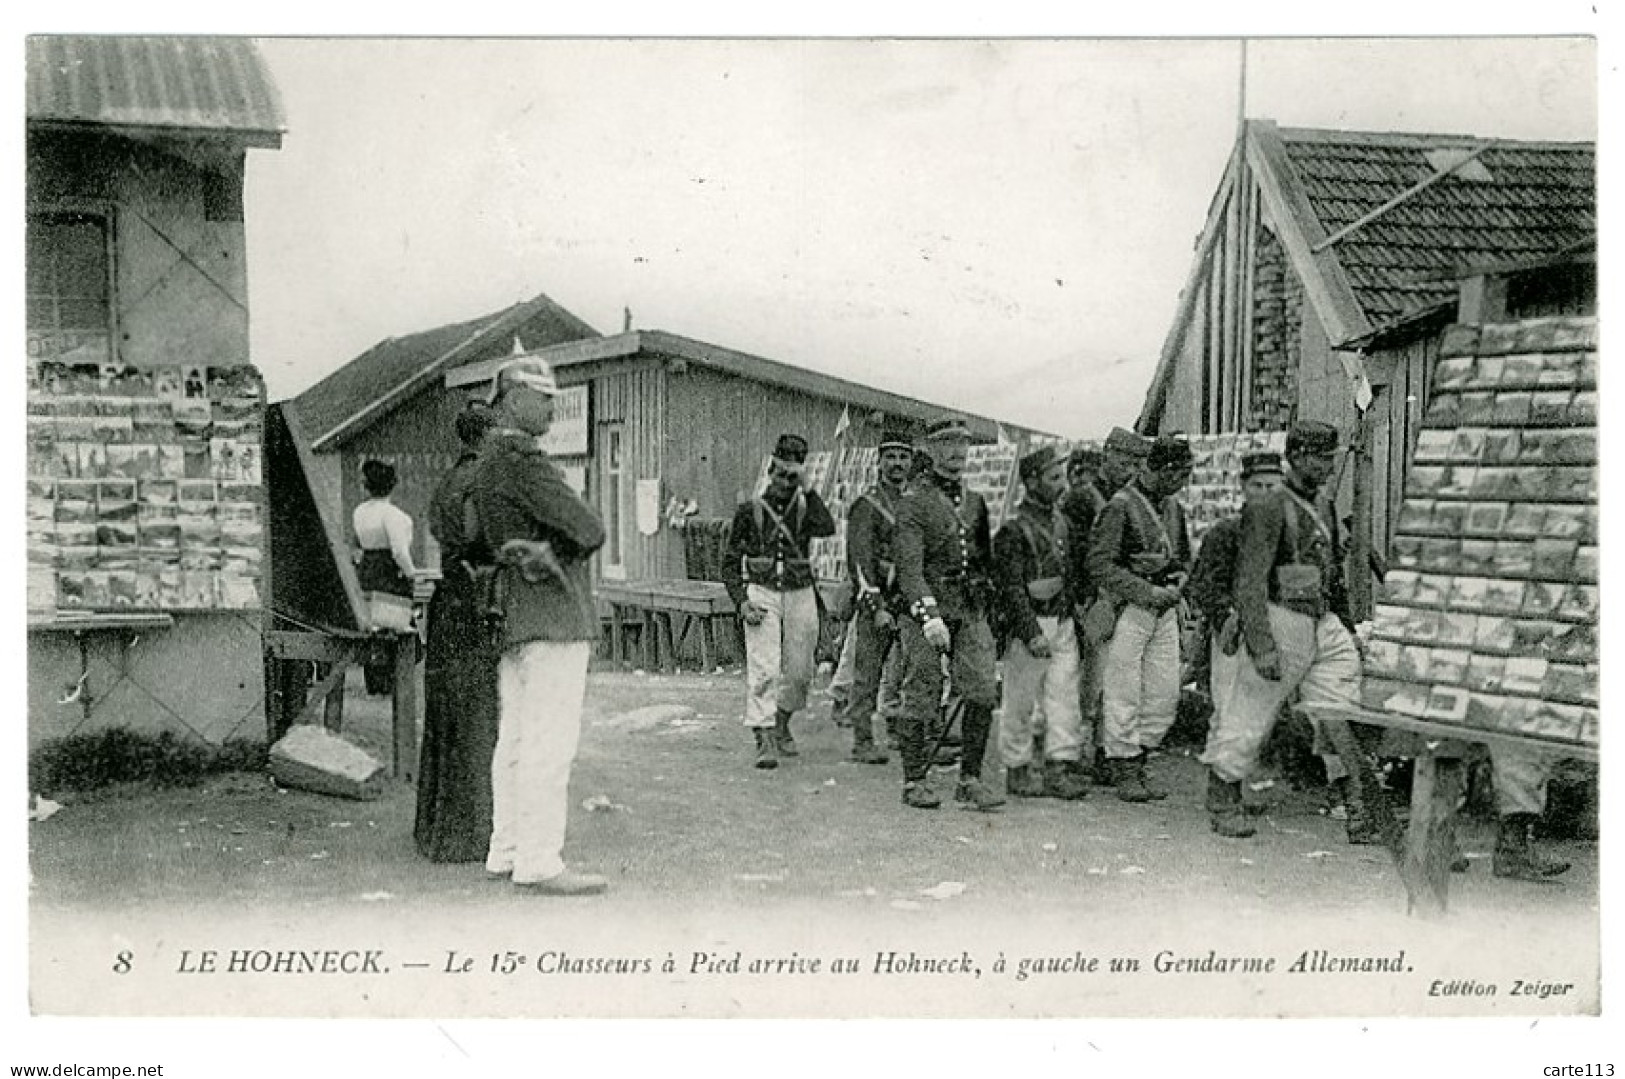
x=654, y=606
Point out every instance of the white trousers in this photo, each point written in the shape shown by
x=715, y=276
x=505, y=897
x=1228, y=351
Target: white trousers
x=1050, y=683
x=542, y=686
x=1520, y=777
x=1141, y=681
x=1318, y=659
x=779, y=653
x=846, y=667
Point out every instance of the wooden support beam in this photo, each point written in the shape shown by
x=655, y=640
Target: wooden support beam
x=318, y=696
x=333, y=707
x=1430, y=844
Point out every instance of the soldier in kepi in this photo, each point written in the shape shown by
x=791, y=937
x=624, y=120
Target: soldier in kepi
x=871, y=525
x=1094, y=476
x=1041, y=649
x=1292, y=612
x=768, y=574
x=1139, y=553
x=944, y=562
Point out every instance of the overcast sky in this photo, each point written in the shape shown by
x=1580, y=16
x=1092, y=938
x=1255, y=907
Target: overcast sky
x=998, y=225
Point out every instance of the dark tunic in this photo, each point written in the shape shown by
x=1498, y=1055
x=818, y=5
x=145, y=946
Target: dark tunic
x=460, y=690
x=1130, y=527
x=944, y=548
x=1211, y=588
x=1077, y=511
x=871, y=531
x=762, y=553
x=1284, y=527
x=519, y=493
x=1027, y=549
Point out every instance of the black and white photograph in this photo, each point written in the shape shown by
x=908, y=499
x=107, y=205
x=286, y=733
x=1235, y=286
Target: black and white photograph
x=799, y=528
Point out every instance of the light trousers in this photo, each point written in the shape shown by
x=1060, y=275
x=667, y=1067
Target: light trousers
x=779, y=653
x=1520, y=777
x=1050, y=683
x=1319, y=660
x=542, y=686
x=1140, y=681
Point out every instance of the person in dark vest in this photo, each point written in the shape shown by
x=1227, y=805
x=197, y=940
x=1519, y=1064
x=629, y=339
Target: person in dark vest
x=1040, y=644
x=871, y=526
x=1096, y=475
x=383, y=532
x=768, y=574
x=1291, y=610
x=461, y=713
x=1212, y=585
x=542, y=534
x=944, y=568
x=1139, y=554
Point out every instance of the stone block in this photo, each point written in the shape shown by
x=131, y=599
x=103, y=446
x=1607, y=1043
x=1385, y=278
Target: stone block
x=311, y=758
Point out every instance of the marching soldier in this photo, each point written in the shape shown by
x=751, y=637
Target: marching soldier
x=1292, y=610
x=768, y=574
x=1095, y=476
x=871, y=525
x=1212, y=584
x=543, y=534
x=1139, y=552
x=1041, y=654
x=944, y=562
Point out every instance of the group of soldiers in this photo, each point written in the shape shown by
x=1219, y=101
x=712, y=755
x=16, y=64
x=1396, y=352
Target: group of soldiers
x=1082, y=595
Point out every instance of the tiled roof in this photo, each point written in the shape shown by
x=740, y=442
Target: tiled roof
x=394, y=362
x=189, y=83
x=1540, y=199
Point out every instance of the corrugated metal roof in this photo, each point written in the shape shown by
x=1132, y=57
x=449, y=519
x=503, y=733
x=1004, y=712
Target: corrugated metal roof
x=1540, y=199
x=186, y=83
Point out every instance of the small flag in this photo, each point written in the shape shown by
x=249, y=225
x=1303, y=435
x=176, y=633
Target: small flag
x=843, y=423
x=1004, y=439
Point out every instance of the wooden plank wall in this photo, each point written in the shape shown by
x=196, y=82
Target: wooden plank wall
x=635, y=397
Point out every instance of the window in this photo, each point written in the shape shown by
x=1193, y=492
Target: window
x=70, y=312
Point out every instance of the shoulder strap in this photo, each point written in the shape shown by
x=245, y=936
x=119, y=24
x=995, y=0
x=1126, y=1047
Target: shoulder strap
x=1314, y=515
x=880, y=507
x=779, y=524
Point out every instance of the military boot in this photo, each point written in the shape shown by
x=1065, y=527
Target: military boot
x=1023, y=781
x=972, y=793
x=1062, y=781
x=1224, y=805
x=767, y=754
x=781, y=736
x=919, y=795
x=1128, y=776
x=1515, y=855
x=864, y=749
x=1155, y=790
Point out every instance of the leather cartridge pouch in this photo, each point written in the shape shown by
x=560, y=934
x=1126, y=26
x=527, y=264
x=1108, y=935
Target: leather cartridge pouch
x=1045, y=588
x=1297, y=582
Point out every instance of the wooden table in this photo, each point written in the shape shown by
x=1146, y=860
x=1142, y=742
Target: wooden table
x=654, y=605
x=287, y=690
x=1424, y=851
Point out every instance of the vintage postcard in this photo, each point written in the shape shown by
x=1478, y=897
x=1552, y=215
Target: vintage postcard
x=661, y=528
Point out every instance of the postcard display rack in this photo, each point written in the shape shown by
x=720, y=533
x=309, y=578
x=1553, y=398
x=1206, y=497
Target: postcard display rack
x=145, y=508
x=1485, y=627
x=145, y=490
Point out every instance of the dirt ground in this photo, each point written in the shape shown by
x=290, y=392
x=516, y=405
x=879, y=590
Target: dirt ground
x=701, y=847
